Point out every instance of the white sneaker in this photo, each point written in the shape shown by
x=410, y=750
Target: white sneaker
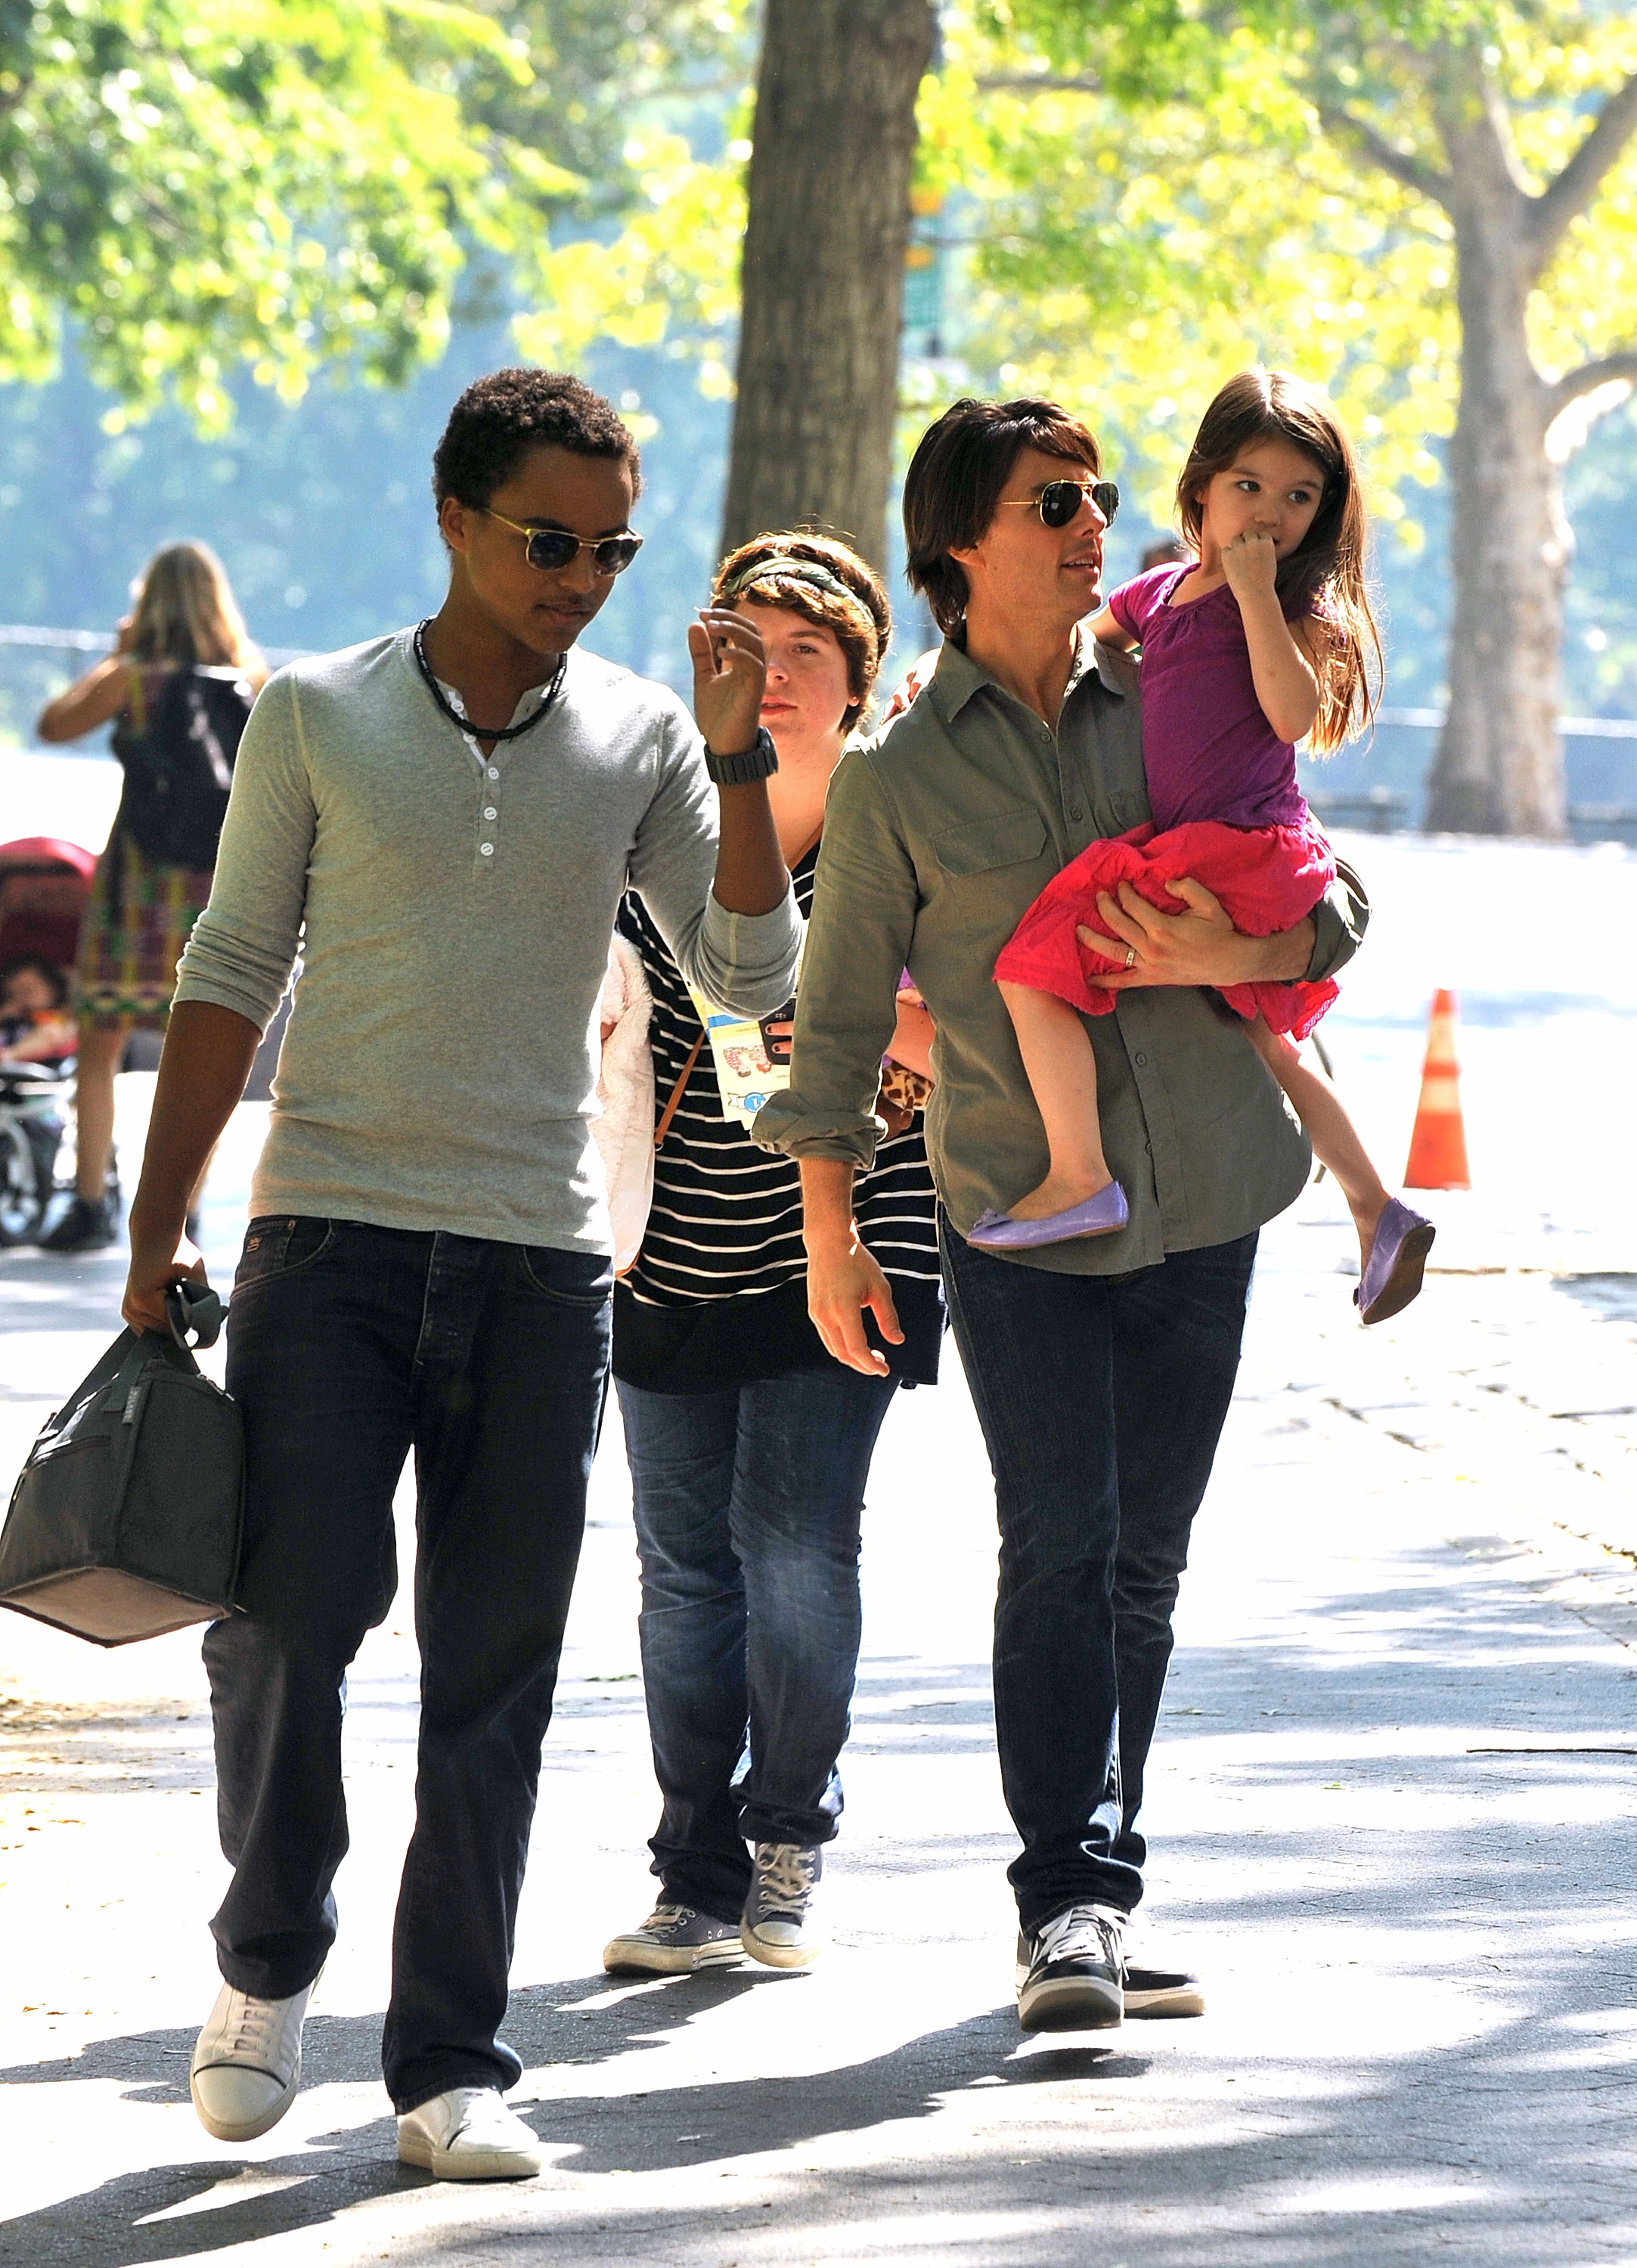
x=246, y=2064
x=469, y=2135
x=777, y=1927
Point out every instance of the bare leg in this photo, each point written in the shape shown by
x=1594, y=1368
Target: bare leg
x=100, y=1052
x=1330, y=1130
x=1062, y=1070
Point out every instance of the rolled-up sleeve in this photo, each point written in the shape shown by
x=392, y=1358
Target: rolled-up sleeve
x=243, y=945
x=745, y=962
x=859, y=939
x=1339, y=921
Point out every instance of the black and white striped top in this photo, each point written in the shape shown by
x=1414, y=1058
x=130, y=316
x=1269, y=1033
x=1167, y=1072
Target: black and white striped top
x=725, y=1223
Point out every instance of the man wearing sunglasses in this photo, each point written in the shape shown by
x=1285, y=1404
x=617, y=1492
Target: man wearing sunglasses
x=1102, y=1368
x=447, y=817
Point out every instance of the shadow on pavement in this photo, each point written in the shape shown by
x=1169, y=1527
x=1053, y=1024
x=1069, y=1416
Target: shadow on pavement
x=143, y=2217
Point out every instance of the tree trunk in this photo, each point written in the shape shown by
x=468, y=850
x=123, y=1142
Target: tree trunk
x=1499, y=769
x=823, y=268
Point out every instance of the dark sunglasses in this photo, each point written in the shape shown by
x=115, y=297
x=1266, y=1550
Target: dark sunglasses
x=1059, y=500
x=550, y=547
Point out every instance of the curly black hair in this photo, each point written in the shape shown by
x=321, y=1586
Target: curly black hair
x=500, y=416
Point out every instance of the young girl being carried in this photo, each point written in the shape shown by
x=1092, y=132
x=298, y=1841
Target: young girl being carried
x=1260, y=642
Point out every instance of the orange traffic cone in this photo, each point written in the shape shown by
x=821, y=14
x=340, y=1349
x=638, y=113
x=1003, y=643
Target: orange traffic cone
x=1438, y=1141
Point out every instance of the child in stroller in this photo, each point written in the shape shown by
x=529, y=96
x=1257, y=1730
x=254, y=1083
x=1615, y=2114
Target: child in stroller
x=44, y=884
x=35, y=1025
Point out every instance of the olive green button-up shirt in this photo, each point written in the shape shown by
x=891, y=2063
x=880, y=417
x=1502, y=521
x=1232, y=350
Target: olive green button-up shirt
x=939, y=834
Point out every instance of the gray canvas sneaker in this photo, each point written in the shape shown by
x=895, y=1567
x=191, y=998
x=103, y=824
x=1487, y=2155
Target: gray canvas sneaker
x=673, y=1941
x=778, y=1923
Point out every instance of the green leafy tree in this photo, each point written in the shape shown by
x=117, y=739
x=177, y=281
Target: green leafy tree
x=193, y=187
x=271, y=182
x=1428, y=205
x=1433, y=211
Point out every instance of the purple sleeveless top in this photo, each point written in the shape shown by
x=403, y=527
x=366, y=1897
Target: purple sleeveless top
x=1208, y=750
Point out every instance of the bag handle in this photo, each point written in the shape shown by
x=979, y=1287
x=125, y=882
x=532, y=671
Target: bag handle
x=669, y=1111
x=196, y=1307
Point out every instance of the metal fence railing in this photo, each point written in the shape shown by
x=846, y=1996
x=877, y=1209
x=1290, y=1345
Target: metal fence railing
x=27, y=634
x=1609, y=813
x=37, y=662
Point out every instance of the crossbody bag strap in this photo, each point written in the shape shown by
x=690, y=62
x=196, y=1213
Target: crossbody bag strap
x=686, y=1074
x=669, y=1111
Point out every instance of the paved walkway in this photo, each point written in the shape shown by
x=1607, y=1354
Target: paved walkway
x=1392, y=1803
x=1392, y=1815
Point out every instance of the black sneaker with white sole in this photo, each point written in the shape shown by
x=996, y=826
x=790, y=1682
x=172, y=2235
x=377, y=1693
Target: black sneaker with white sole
x=1069, y=1972
x=1163, y=1992
x=675, y=1940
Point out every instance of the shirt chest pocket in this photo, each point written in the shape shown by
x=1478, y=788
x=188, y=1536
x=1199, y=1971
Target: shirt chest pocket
x=983, y=846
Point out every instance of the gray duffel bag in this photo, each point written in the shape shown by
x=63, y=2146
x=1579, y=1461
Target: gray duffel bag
x=125, y=1521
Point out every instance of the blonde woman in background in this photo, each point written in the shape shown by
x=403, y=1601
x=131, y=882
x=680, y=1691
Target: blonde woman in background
x=177, y=689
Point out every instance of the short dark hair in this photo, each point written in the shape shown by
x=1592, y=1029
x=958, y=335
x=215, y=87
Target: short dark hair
x=500, y=418
x=955, y=480
x=859, y=615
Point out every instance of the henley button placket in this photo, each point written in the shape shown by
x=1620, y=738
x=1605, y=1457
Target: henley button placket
x=489, y=812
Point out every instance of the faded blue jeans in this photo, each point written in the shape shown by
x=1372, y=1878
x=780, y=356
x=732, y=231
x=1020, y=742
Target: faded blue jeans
x=748, y=1507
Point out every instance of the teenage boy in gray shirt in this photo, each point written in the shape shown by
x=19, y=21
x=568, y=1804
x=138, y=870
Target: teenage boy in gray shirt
x=452, y=814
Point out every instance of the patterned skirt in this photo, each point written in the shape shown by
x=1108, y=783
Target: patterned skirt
x=137, y=920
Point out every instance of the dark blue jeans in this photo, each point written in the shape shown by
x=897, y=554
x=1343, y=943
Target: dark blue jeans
x=1101, y=1399
x=748, y=1506
x=347, y=1346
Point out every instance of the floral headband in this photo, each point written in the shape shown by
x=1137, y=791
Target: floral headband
x=798, y=570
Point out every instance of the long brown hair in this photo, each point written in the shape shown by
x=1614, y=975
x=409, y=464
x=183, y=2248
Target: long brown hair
x=839, y=593
x=1324, y=576
x=185, y=612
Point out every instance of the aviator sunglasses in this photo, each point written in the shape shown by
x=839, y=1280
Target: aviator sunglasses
x=1059, y=500
x=550, y=547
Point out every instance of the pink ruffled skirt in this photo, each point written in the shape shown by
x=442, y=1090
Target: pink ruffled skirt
x=1267, y=877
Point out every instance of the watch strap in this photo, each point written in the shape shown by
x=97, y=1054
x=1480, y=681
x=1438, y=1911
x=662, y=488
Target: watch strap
x=755, y=762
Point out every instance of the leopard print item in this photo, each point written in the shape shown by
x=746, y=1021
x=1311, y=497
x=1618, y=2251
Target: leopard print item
x=903, y=1092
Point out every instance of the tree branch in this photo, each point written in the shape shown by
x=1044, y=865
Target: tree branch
x=1566, y=198
x=1425, y=180
x=1575, y=385
x=1040, y=83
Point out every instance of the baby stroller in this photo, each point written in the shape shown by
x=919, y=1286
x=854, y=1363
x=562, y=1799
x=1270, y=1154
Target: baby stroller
x=44, y=885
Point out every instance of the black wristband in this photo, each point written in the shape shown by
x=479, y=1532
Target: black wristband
x=752, y=763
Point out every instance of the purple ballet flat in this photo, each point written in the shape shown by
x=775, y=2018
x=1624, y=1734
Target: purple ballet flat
x=1392, y=1274
x=1099, y=1216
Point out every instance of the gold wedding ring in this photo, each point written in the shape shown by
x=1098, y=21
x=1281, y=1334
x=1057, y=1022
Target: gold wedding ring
x=1130, y=956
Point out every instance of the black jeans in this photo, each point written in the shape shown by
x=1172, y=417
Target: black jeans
x=347, y=1346
x=1102, y=1400
x=748, y=1507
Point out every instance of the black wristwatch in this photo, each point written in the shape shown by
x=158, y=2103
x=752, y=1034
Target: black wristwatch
x=752, y=763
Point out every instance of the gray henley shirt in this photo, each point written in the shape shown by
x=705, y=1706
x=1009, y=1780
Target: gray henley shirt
x=453, y=914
